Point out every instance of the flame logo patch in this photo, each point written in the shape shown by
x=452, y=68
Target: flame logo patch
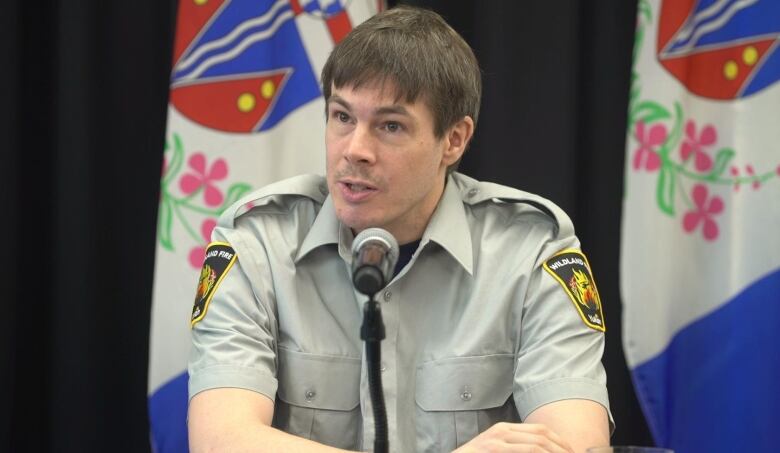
x=219, y=259
x=572, y=270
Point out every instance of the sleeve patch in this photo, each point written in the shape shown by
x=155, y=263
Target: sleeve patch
x=572, y=270
x=219, y=259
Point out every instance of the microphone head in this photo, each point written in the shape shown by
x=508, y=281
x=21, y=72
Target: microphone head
x=374, y=255
x=376, y=234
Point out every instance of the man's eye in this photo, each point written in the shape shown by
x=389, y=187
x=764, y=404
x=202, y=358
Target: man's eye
x=343, y=117
x=392, y=126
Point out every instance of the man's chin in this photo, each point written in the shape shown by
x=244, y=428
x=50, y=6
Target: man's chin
x=358, y=217
x=356, y=222
x=357, y=227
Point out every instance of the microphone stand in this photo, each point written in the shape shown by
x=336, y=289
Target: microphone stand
x=373, y=332
x=374, y=255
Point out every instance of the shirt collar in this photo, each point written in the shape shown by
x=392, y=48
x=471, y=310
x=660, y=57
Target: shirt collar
x=448, y=227
x=324, y=230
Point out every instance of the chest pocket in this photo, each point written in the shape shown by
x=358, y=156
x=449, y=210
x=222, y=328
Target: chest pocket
x=318, y=398
x=460, y=397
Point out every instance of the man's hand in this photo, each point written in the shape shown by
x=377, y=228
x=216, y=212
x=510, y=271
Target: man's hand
x=563, y=426
x=516, y=437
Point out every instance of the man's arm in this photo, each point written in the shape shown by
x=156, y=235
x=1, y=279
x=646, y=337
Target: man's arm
x=581, y=423
x=561, y=427
x=238, y=420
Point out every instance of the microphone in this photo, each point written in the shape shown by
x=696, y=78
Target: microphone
x=374, y=254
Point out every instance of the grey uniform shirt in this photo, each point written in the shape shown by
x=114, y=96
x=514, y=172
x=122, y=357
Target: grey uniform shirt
x=477, y=331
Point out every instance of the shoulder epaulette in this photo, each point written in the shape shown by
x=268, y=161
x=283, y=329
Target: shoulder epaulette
x=475, y=192
x=309, y=186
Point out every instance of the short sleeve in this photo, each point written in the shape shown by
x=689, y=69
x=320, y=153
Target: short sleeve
x=233, y=343
x=559, y=356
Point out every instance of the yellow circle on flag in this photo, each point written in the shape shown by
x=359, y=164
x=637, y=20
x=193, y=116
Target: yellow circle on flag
x=750, y=55
x=201, y=2
x=267, y=89
x=246, y=102
x=730, y=70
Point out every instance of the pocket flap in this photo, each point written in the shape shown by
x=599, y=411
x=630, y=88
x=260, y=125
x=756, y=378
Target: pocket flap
x=465, y=383
x=319, y=381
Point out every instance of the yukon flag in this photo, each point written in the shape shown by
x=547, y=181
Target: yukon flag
x=700, y=254
x=245, y=110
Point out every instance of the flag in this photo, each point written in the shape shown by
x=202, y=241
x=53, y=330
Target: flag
x=700, y=249
x=245, y=110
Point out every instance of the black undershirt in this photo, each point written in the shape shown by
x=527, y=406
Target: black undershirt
x=405, y=253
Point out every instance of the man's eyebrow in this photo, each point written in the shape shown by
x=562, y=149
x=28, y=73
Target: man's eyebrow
x=339, y=100
x=397, y=109
x=385, y=110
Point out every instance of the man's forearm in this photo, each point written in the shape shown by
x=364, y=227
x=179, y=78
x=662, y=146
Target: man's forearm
x=259, y=438
x=237, y=420
x=581, y=423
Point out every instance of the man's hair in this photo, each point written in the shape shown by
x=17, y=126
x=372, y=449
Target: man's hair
x=417, y=51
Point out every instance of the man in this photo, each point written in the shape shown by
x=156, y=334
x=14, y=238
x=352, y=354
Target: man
x=494, y=327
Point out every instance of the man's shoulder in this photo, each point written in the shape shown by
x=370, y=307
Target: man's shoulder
x=491, y=198
x=281, y=197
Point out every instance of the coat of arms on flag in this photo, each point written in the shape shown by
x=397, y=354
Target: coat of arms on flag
x=700, y=275
x=245, y=110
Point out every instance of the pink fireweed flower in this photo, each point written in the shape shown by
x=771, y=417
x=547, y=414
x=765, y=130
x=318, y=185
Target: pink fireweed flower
x=735, y=175
x=191, y=182
x=752, y=174
x=695, y=146
x=197, y=254
x=703, y=213
x=646, y=156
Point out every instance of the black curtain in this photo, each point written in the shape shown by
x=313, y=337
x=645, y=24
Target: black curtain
x=83, y=89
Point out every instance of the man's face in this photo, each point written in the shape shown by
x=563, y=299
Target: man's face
x=385, y=167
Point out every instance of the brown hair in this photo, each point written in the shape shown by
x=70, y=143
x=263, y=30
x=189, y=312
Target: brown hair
x=420, y=53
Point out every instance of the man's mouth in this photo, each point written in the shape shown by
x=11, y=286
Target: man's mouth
x=354, y=191
x=358, y=187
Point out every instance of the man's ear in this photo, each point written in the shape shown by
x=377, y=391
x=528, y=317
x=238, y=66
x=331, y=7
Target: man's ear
x=456, y=140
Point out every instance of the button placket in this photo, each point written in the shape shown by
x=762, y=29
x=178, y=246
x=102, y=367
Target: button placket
x=390, y=313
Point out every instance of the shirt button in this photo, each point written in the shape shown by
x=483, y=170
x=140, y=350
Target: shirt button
x=310, y=394
x=466, y=395
x=473, y=192
x=388, y=296
x=383, y=368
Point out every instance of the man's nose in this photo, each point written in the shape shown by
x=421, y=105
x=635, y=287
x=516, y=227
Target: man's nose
x=361, y=147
